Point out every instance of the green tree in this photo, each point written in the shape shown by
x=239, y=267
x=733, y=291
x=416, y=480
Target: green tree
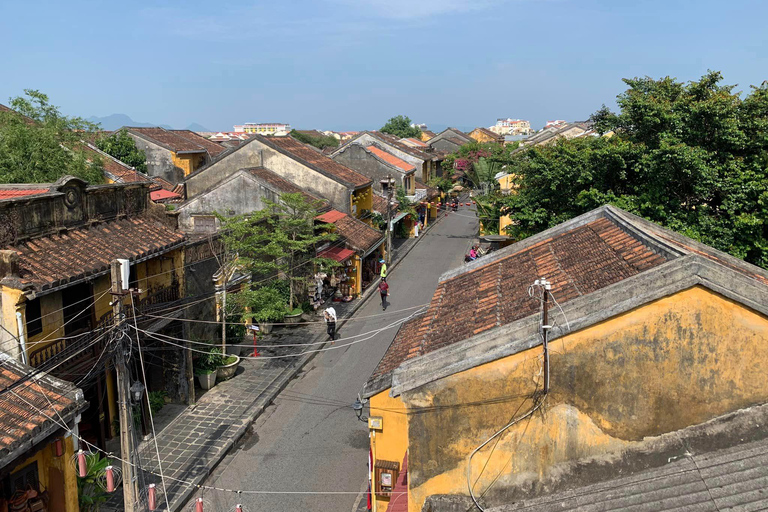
x=326, y=141
x=38, y=144
x=278, y=242
x=690, y=156
x=400, y=126
x=121, y=146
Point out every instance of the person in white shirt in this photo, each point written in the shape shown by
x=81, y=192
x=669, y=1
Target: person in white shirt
x=330, y=321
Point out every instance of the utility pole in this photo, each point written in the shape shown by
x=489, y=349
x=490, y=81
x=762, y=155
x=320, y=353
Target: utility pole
x=546, y=286
x=389, y=219
x=123, y=391
x=224, y=315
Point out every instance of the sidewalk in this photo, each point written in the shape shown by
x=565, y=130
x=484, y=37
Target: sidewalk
x=193, y=444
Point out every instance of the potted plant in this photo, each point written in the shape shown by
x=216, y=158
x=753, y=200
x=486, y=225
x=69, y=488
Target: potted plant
x=206, y=367
x=293, y=316
x=263, y=305
x=228, y=367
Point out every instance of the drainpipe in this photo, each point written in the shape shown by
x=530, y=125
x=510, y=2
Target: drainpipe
x=22, y=341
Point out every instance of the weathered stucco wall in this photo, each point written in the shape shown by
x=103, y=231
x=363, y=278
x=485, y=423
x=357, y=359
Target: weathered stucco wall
x=445, y=145
x=356, y=157
x=246, y=156
x=160, y=160
x=308, y=179
x=242, y=193
x=676, y=362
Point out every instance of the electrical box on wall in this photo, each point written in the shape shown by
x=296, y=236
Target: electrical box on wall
x=375, y=423
x=386, y=472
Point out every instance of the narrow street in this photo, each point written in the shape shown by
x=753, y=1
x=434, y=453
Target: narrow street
x=310, y=439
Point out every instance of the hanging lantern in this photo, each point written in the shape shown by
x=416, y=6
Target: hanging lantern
x=82, y=469
x=152, y=497
x=199, y=505
x=58, y=447
x=110, y=479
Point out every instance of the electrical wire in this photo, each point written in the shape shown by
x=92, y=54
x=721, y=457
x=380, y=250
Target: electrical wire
x=151, y=419
x=370, y=334
x=316, y=323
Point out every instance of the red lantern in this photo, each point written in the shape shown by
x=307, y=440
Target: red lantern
x=110, y=479
x=58, y=447
x=199, y=505
x=81, y=465
x=152, y=497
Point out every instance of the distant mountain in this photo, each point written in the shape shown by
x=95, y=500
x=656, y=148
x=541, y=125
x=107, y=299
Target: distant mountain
x=195, y=127
x=116, y=121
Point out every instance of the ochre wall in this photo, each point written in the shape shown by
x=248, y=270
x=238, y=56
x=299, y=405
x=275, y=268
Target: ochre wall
x=189, y=163
x=363, y=198
x=676, y=362
x=46, y=459
x=391, y=442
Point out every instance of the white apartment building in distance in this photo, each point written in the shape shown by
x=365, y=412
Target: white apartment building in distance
x=511, y=127
x=264, y=128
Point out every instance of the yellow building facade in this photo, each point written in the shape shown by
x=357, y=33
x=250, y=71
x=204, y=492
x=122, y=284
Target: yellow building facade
x=676, y=346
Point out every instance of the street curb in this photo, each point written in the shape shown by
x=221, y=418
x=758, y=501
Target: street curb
x=275, y=387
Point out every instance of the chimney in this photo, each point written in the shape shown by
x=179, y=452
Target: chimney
x=9, y=264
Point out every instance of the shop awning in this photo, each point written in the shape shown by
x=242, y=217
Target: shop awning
x=339, y=254
x=397, y=219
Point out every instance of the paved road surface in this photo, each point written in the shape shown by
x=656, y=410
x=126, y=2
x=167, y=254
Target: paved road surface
x=310, y=439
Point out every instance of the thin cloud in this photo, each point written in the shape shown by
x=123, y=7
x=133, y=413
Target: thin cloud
x=417, y=9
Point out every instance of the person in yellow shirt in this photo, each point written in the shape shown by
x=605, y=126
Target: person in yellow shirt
x=383, y=273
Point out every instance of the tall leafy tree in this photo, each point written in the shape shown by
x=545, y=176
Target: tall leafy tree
x=121, y=146
x=278, y=242
x=690, y=156
x=400, y=126
x=38, y=144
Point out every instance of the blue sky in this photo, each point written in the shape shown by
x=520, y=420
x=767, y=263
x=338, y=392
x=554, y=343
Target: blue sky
x=351, y=64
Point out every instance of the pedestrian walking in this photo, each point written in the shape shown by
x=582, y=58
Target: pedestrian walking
x=330, y=321
x=383, y=273
x=384, y=291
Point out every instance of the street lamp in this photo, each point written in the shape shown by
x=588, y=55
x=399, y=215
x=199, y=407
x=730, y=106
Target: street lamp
x=358, y=407
x=137, y=390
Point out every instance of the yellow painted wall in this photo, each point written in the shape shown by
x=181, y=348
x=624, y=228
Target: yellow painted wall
x=391, y=442
x=481, y=137
x=46, y=458
x=363, y=198
x=11, y=298
x=507, y=183
x=189, y=163
x=676, y=362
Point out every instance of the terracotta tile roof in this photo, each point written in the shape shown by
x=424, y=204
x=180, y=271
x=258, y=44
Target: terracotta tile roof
x=54, y=260
x=391, y=159
x=213, y=149
x=357, y=234
x=164, y=184
x=282, y=185
x=380, y=204
x=416, y=142
x=13, y=193
x=169, y=139
x=390, y=139
x=307, y=155
x=24, y=410
x=339, y=254
x=579, y=261
x=331, y=216
x=429, y=133
x=159, y=195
